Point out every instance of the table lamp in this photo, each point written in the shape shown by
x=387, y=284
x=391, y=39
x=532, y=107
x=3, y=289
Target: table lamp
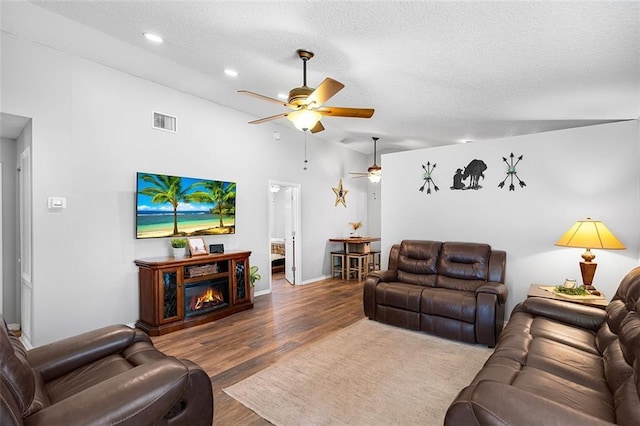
x=589, y=234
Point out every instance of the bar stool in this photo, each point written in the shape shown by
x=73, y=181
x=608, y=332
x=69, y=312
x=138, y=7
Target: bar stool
x=358, y=265
x=374, y=261
x=338, y=264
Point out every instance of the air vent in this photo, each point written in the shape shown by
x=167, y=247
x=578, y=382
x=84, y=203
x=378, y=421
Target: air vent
x=164, y=122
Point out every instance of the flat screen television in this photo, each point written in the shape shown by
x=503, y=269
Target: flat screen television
x=174, y=206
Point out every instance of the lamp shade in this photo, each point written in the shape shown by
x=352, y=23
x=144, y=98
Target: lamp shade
x=590, y=234
x=304, y=119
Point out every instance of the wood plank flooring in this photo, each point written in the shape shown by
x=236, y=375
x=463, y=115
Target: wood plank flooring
x=238, y=346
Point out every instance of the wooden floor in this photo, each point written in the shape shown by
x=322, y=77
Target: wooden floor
x=235, y=347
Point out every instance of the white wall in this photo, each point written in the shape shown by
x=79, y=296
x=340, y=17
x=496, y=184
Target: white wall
x=570, y=175
x=92, y=133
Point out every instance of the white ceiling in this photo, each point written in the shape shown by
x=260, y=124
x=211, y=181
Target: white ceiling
x=437, y=73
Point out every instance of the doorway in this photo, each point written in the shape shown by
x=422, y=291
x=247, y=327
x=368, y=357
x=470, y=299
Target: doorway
x=285, y=232
x=15, y=184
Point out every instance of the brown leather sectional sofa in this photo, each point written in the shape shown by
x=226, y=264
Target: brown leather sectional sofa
x=561, y=363
x=110, y=376
x=451, y=289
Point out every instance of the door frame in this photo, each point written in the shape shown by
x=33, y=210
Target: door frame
x=296, y=211
x=1, y=247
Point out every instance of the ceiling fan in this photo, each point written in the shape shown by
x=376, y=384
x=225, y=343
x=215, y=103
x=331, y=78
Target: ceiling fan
x=307, y=103
x=374, y=173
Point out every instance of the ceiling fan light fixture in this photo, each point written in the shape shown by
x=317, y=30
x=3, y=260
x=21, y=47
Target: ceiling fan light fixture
x=374, y=177
x=304, y=119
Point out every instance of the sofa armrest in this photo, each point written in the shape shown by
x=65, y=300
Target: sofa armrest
x=142, y=395
x=495, y=403
x=62, y=356
x=499, y=289
x=582, y=316
x=388, y=275
x=369, y=290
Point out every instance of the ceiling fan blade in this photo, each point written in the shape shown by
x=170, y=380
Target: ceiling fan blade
x=317, y=128
x=326, y=90
x=265, y=119
x=359, y=173
x=264, y=98
x=332, y=111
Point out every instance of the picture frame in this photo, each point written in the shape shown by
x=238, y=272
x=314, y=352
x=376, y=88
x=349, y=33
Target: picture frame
x=197, y=246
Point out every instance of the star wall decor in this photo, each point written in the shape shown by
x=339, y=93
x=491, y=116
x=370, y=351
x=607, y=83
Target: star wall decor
x=341, y=193
x=512, y=173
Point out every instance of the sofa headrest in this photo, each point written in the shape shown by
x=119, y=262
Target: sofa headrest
x=419, y=257
x=18, y=378
x=468, y=261
x=625, y=300
x=629, y=288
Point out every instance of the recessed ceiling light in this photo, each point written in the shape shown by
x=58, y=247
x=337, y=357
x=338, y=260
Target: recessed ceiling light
x=231, y=73
x=153, y=37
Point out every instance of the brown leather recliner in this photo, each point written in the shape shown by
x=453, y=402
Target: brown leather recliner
x=113, y=375
x=452, y=289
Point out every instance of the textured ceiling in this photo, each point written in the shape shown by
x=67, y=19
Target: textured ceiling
x=436, y=72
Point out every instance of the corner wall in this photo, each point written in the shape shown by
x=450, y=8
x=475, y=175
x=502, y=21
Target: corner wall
x=569, y=174
x=92, y=133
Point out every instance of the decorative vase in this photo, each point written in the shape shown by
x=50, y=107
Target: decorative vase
x=178, y=253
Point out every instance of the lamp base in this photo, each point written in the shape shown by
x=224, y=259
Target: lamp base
x=588, y=270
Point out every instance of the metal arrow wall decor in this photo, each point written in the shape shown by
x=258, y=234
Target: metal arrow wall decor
x=428, y=180
x=512, y=173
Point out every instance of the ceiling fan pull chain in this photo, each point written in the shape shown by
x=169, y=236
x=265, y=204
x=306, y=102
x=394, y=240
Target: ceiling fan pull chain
x=305, y=151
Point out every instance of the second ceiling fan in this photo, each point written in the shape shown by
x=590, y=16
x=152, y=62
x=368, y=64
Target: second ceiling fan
x=374, y=173
x=307, y=103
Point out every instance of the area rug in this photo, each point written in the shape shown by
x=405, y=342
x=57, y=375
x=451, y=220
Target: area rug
x=366, y=374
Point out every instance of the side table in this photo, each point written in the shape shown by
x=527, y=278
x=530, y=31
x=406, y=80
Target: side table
x=536, y=290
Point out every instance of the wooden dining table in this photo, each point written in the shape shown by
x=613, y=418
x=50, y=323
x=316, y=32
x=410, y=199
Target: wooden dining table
x=356, y=244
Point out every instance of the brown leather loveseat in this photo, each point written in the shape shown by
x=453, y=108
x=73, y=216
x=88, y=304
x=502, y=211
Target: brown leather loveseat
x=452, y=289
x=561, y=363
x=110, y=376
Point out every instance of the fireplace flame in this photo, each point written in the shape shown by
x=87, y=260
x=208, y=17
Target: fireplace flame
x=210, y=296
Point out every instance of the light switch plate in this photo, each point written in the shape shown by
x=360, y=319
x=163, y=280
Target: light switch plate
x=57, y=203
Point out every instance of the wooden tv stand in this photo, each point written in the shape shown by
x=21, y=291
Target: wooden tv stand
x=163, y=281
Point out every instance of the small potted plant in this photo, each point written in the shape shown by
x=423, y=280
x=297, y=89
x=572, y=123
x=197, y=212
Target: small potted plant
x=355, y=226
x=253, y=277
x=178, y=245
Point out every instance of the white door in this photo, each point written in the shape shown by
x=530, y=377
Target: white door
x=289, y=238
x=292, y=253
x=26, y=283
x=1, y=245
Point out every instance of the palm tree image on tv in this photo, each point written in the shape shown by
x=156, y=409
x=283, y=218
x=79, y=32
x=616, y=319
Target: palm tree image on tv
x=223, y=196
x=180, y=206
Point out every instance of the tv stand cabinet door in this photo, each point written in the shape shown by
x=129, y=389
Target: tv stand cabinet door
x=161, y=296
x=240, y=280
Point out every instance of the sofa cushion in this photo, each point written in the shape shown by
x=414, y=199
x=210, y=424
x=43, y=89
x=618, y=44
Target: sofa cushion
x=463, y=266
x=443, y=302
x=566, y=392
x=417, y=262
x=86, y=376
x=399, y=295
